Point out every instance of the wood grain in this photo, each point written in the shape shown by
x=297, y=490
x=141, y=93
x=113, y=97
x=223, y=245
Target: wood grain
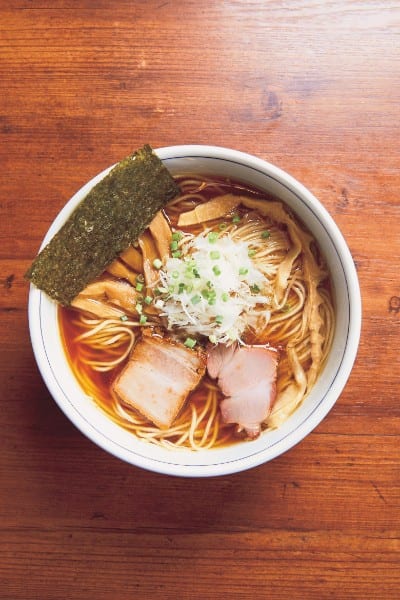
x=311, y=86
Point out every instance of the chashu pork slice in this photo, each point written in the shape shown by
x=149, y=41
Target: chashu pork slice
x=158, y=378
x=246, y=376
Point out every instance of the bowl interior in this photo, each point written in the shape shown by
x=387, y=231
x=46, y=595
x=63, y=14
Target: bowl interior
x=91, y=420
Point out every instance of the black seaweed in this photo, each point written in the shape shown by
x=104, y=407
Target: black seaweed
x=110, y=218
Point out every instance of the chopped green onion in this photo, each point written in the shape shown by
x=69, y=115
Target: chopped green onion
x=189, y=288
x=215, y=254
x=212, y=339
x=225, y=297
x=212, y=237
x=265, y=235
x=181, y=288
x=174, y=245
x=148, y=299
x=123, y=318
x=219, y=319
x=140, y=278
x=157, y=263
x=177, y=236
x=243, y=271
x=176, y=254
x=216, y=270
x=195, y=299
x=196, y=273
x=143, y=319
x=235, y=219
x=210, y=296
x=255, y=289
x=222, y=226
x=210, y=284
x=139, y=286
x=139, y=308
x=175, y=274
x=285, y=308
x=251, y=252
x=190, y=342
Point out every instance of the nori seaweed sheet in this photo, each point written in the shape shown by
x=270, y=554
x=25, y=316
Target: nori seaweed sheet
x=111, y=217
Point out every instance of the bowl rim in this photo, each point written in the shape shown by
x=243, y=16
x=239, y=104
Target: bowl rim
x=36, y=297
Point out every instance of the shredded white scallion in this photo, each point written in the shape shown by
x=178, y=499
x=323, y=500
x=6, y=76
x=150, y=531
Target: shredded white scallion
x=214, y=288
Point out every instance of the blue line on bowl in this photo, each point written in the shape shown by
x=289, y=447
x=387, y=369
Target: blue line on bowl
x=290, y=433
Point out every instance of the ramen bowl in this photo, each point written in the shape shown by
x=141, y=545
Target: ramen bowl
x=94, y=423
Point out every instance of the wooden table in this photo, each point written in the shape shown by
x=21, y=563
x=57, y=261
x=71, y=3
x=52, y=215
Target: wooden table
x=311, y=86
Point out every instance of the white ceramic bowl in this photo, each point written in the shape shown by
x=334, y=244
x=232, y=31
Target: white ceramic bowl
x=100, y=429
